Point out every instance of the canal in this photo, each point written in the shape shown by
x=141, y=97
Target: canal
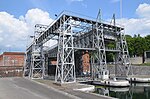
x=135, y=91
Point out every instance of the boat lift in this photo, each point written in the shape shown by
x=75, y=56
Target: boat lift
x=74, y=32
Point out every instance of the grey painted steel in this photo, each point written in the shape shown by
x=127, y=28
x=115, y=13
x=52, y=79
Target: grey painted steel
x=35, y=60
x=123, y=59
x=65, y=69
x=76, y=33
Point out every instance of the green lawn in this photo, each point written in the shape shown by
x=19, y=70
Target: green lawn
x=144, y=64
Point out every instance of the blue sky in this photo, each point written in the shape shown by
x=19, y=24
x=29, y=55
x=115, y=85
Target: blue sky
x=18, y=17
x=86, y=7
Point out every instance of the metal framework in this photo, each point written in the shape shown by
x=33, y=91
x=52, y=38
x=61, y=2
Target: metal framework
x=65, y=70
x=123, y=65
x=78, y=33
x=35, y=60
x=100, y=55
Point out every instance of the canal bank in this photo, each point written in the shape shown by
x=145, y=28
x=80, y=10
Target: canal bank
x=135, y=91
x=137, y=70
x=70, y=90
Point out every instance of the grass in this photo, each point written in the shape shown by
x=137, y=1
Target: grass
x=99, y=86
x=144, y=64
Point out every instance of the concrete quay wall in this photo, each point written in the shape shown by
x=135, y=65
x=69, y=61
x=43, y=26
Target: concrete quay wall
x=137, y=70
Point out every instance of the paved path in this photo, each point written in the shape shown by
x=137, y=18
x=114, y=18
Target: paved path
x=20, y=88
x=67, y=89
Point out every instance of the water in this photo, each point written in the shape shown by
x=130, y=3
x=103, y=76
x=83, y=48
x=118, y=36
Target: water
x=135, y=91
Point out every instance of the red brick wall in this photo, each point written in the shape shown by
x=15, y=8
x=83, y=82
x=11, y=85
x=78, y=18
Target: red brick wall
x=11, y=64
x=86, y=62
x=13, y=60
x=1, y=60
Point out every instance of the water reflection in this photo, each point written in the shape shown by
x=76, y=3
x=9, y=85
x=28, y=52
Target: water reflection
x=135, y=91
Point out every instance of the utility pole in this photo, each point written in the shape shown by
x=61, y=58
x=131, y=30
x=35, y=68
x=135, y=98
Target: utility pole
x=120, y=9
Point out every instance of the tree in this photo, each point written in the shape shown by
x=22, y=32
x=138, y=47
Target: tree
x=130, y=43
x=140, y=45
x=147, y=39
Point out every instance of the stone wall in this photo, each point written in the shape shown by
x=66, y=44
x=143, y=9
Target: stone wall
x=147, y=60
x=137, y=70
x=11, y=71
x=136, y=60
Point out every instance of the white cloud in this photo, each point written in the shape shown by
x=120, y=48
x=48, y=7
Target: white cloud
x=140, y=25
x=35, y=16
x=14, y=32
x=143, y=10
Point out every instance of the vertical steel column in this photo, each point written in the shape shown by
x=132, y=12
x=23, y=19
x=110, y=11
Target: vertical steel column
x=37, y=60
x=118, y=65
x=27, y=65
x=65, y=70
x=100, y=54
x=42, y=61
x=99, y=57
x=36, y=63
x=124, y=67
x=125, y=55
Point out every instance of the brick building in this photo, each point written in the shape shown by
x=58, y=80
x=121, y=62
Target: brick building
x=82, y=63
x=11, y=64
x=86, y=62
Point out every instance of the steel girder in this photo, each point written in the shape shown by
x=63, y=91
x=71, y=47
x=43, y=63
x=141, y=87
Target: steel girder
x=27, y=65
x=35, y=60
x=79, y=33
x=99, y=57
x=65, y=70
x=123, y=64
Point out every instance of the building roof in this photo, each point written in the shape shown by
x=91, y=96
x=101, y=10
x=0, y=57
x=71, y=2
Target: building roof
x=13, y=53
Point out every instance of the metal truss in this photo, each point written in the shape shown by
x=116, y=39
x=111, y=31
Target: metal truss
x=35, y=60
x=65, y=70
x=39, y=28
x=100, y=55
x=123, y=64
x=27, y=65
x=75, y=33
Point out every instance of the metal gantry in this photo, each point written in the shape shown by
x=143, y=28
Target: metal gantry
x=99, y=57
x=65, y=69
x=123, y=64
x=73, y=32
x=35, y=60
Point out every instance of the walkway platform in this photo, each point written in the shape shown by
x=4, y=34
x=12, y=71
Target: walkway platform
x=139, y=79
x=112, y=83
x=76, y=89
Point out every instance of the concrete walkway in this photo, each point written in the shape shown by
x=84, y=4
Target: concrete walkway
x=69, y=90
x=21, y=88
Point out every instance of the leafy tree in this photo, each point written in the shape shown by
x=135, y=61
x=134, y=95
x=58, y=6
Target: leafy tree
x=130, y=43
x=137, y=45
x=147, y=38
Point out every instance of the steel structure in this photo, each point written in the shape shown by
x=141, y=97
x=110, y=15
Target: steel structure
x=35, y=60
x=73, y=33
